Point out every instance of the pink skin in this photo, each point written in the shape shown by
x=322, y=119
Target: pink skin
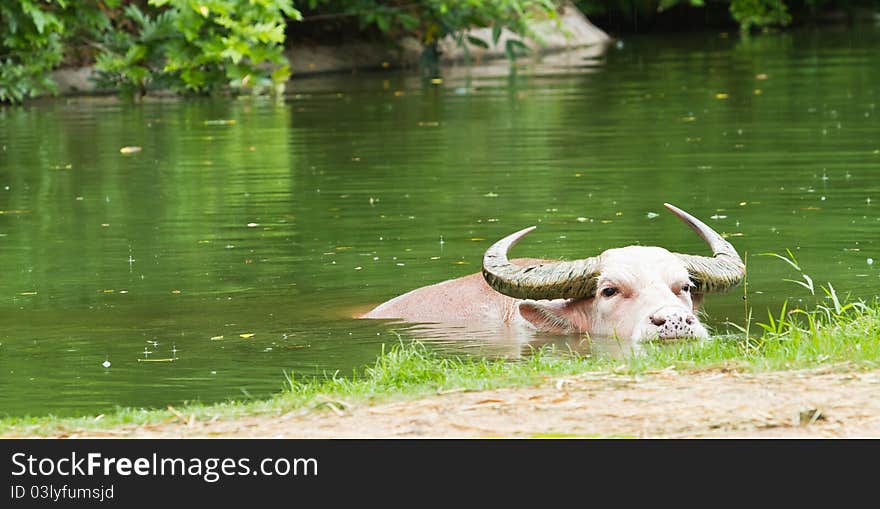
x=642, y=294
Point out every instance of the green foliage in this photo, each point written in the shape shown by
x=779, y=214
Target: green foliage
x=133, y=62
x=759, y=13
x=431, y=20
x=235, y=43
x=206, y=46
x=33, y=34
x=193, y=46
x=30, y=46
x=200, y=47
x=748, y=14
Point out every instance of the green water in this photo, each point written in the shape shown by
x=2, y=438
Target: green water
x=282, y=220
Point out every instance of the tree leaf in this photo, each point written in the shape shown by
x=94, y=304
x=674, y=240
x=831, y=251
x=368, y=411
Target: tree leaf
x=476, y=41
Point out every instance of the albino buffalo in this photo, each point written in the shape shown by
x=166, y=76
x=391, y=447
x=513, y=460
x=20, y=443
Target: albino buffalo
x=633, y=292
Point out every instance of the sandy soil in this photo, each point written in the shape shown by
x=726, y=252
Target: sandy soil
x=814, y=403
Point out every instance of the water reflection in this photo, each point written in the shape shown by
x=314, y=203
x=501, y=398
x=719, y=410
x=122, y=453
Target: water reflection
x=506, y=342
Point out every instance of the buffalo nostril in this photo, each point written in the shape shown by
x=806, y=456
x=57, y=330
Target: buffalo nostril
x=658, y=320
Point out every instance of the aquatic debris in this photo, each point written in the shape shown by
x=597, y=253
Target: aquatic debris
x=761, y=76
x=717, y=216
x=870, y=261
x=253, y=225
x=27, y=294
x=248, y=335
x=220, y=122
x=490, y=194
x=216, y=338
x=106, y=364
x=436, y=81
x=130, y=150
x=167, y=359
x=175, y=292
x=652, y=215
x=721, y=96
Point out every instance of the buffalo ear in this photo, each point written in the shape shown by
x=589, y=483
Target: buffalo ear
x=557, y=317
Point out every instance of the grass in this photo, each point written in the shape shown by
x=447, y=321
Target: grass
x=846, y=334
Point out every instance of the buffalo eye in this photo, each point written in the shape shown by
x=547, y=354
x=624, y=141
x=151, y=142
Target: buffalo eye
x=609, y=292
x=686, y=288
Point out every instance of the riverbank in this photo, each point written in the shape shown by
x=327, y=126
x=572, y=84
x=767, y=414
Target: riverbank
x=571, y=31
x=835, y=401
x=819, y=379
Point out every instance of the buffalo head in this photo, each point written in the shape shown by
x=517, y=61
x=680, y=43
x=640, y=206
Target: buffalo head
x=632, y=292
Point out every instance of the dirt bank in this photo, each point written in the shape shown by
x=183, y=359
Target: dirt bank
x=717, y=403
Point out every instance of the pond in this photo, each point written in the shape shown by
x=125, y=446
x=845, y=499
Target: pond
x=236, y=245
